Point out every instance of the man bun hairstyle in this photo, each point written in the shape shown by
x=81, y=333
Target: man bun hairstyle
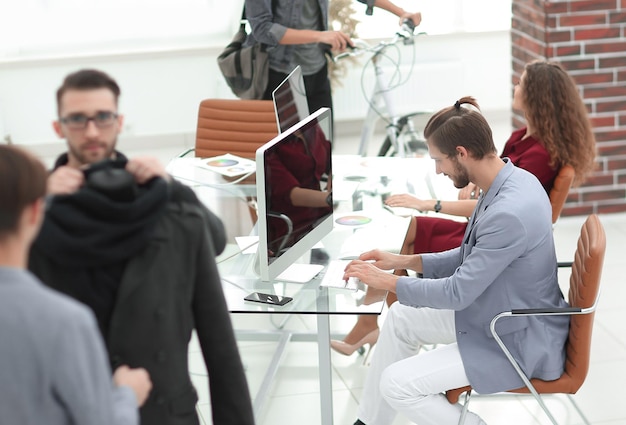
x=458, y=125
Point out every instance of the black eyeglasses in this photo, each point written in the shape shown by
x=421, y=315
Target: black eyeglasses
x=102, y=119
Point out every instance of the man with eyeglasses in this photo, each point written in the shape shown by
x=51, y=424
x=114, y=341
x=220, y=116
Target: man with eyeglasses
x=89, y=121
x=141, y=254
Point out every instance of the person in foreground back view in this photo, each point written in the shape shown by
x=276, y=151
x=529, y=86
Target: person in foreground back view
x=53, y=366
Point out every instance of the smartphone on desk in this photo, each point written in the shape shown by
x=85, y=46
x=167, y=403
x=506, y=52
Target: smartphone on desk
x=260, y=297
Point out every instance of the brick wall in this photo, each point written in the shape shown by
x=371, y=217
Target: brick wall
x=588, y=37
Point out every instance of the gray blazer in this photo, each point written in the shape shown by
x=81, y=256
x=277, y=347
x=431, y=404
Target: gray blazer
x=54, y=368
x=507, y=261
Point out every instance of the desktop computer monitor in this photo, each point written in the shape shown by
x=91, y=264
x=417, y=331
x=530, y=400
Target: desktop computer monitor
x=290, y=104
x=288, y=228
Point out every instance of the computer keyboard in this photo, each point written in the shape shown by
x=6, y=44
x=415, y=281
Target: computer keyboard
x=333, y=277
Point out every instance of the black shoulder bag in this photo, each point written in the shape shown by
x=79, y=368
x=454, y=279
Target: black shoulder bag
x=245, y=69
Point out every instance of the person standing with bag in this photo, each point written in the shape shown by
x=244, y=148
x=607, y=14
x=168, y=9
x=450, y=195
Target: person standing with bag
x=296, y=33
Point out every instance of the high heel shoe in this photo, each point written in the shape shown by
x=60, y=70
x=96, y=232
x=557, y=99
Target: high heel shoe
x=348, y=349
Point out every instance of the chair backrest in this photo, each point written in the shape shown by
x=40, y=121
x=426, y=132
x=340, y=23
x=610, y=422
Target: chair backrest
x=583, y=292
x=234, y=126
x=560, y=189
x=584, y=288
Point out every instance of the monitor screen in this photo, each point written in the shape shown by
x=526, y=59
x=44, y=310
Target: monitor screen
x=290, y=102
x=293, y=171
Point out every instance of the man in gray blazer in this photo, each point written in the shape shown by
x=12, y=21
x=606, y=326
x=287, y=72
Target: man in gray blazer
x=507, y=261
x=53, y=367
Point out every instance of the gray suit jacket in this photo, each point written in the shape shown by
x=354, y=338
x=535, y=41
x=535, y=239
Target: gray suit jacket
x=54, y=368
x=507, y=261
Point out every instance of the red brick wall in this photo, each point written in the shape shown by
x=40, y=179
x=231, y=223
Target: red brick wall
x=588, y=37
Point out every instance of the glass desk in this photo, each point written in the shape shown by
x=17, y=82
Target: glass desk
x=358, y=184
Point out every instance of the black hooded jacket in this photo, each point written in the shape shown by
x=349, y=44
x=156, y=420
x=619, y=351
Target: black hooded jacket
x=145, y=264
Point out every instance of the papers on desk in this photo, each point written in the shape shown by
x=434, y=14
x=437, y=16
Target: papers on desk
x=386, y=233
x=228, y=165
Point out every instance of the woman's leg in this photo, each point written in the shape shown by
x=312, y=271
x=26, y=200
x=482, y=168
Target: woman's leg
x=409, y=238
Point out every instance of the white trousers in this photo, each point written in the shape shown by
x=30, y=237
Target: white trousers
x=400, y=380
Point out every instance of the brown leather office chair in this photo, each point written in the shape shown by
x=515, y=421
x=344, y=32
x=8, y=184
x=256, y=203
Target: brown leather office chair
x=583, y=298
x=560, y=190
x=558, y=196
x=234, y=126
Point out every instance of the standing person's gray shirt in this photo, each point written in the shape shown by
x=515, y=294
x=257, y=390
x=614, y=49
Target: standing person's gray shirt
x=53, y=367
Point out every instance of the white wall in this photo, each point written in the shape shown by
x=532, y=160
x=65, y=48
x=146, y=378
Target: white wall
x=161, y=89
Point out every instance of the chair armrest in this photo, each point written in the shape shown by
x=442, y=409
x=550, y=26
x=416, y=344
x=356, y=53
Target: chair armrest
x=568, y=311
x=289, y=225
x=545, y=311
x=564, y=263
x=185, y=152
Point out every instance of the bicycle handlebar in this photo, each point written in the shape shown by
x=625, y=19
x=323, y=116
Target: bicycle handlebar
x=404, y=34
x=408, y=27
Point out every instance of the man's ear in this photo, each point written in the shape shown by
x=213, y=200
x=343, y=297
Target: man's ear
x=462, y=152
x=56, y=125
x=120, y=123
x=32, y=218
x=37, y=211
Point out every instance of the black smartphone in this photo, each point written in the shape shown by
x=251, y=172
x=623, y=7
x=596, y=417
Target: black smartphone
x=260, y=297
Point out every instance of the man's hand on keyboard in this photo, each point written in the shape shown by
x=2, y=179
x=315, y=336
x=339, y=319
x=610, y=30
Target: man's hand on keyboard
x=384, y=260
x=369, y=273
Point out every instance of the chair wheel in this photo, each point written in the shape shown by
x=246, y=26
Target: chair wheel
x=361, y=350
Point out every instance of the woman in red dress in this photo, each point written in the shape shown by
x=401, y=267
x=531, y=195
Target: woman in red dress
x=557, y=132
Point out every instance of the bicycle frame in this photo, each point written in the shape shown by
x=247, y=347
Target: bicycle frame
x=382, y=98
x=381, y=92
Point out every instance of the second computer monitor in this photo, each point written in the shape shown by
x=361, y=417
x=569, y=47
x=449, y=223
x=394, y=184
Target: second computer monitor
x=290, y=103
x=288, y=228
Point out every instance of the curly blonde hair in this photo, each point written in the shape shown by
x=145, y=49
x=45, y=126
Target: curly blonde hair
x=558, y=117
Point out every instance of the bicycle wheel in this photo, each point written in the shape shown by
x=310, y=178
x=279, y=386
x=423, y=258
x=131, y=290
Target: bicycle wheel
x=409, y=133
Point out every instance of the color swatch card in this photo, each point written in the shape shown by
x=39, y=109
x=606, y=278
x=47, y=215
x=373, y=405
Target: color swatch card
x=228, y=165
x=353, y=219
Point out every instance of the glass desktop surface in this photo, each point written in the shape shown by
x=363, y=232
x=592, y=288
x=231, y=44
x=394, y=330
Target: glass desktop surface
x=370, y=178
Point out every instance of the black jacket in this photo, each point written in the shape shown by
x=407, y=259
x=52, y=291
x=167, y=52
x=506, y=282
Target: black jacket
x=166, y=289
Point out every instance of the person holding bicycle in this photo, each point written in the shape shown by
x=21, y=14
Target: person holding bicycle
x=297, y=33
x=540, y=147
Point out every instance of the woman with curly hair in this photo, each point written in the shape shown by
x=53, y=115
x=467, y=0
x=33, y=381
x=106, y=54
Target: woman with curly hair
x=557, y=132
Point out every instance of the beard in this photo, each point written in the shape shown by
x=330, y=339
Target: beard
x=86, y=156
x=460, y=178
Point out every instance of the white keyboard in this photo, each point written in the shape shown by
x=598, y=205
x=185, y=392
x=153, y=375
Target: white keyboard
x=333, y=277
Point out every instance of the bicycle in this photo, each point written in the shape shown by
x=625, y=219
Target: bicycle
x=403, y=135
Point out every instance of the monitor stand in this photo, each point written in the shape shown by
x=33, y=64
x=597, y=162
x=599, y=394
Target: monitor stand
x=297, y=272
x=300, y=273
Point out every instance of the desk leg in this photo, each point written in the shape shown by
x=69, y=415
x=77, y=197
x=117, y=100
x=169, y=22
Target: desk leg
x=325, y=368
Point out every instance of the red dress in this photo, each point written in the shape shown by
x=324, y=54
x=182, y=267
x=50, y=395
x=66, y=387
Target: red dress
x=434, y=234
